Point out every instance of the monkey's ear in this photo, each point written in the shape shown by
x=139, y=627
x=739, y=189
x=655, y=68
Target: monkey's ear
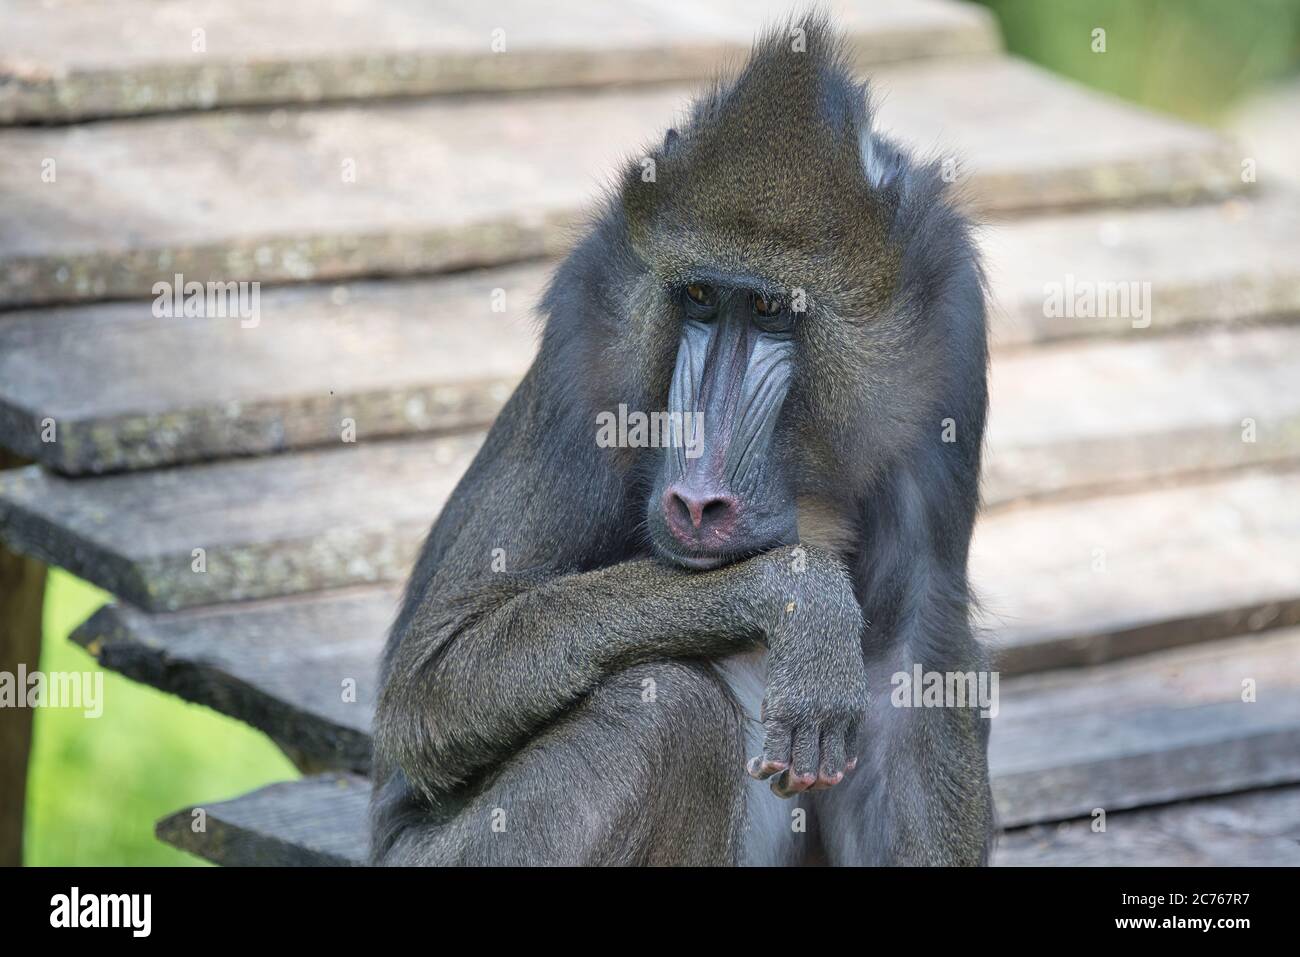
x=882, y=161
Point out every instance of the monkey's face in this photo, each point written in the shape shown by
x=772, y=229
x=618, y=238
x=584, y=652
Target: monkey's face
x=722, y=492
x=772, y=288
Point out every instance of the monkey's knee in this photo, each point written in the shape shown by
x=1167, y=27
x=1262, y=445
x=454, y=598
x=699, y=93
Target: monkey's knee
x=648, y=769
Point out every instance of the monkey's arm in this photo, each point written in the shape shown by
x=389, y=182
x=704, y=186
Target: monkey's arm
x=475, y=675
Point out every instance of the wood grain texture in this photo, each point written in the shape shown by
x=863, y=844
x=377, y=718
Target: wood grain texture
x=1161, y=727
x=316, y=822
x=1112, y=413
x=128, y=390
x=1077, y=582
x=1257, y=829
x=321, y=822
x=438, y=185
x=356, y=513
x=271, y=526
x=301, y=670
x=62, y=62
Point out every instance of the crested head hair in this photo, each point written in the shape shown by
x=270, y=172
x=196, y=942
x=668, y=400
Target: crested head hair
x=776, y=172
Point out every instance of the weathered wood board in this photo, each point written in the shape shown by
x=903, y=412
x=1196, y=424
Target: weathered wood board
x=1189, y=722
x=1146, y=730
x=292, y=523
x=321, y=821
x=60, y=62
x=1110, y=413
x=300, y=670
x=313, y=521
x=315, y=822
x=1076, y=582
x=126, y=389
x=1256, y=829
x=434, y=185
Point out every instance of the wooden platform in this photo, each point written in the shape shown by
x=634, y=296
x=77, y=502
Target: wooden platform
x=430, y=355
x=61, y=62
x=429, y=185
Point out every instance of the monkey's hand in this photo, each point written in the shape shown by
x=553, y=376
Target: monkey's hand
x=816, y=697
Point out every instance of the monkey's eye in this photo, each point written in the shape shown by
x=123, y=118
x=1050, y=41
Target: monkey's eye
x=770, y=314
x=700, y=294
x=701, y=301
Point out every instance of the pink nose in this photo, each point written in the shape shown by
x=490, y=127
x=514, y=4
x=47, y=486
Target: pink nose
x=698, y=517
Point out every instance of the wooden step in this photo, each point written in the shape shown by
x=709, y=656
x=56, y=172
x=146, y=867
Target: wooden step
x=1163, y=727
x=127, y=57
x=1078, y=582
x=444, y=184
x=269, y=526
x=1255, y=829
x=292, y=523
x=318, y=821
x=128, y=390
x=321, y=821
x=1107, y=413
x=301, y=670
x=1141, y=730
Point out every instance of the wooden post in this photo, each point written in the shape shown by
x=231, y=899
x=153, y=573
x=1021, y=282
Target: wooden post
x=22, y=592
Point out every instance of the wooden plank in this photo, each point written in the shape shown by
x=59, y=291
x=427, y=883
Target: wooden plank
x=125, y=57
x=316, y=822
x=321, y=821
x=128, y=390
x=270, y=526
x=1144, y=570
x=1213, y=262
x=1256, y=829
x=135, y=534
x=1162, y=727
x=1108, y=413
x=434, y=185
x=1150, y=730
x=300, y=670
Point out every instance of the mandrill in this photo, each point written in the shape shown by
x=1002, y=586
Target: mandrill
x=691, y=654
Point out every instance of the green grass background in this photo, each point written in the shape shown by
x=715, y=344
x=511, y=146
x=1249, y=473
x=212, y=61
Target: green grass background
x=96, y=787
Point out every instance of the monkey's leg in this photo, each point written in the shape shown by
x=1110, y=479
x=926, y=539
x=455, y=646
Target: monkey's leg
x=647, y=770
x=920, y=793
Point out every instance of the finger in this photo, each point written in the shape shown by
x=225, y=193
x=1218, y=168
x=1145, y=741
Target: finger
x=852, y=738
x=802, y=772
x=777, y=739
x=831, y=770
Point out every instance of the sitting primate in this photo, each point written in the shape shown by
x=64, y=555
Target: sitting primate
x=667, y=622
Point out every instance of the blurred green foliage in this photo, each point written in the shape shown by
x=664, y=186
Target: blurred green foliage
x=96, y=786
x=1194, y=58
